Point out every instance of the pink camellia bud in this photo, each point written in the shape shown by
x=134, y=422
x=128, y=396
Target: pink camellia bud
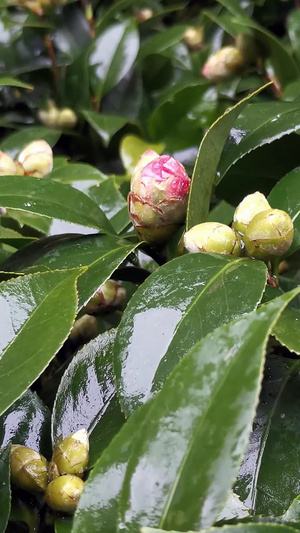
x=223, y=64
x=110, y=295
x=158, y=196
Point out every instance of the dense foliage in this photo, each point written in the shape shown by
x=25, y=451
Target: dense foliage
x=186, y=375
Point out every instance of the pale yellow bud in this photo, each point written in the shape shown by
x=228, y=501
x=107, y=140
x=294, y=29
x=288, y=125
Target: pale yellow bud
x=63, y=493
x=37, y=158
x=7, y=165
x=49, y=117
x=212, y=237
x=144, y=14
x=193, y=38
x=249, y=207
x=67, y=118
x=223, y=64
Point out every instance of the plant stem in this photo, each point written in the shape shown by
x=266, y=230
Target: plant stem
x=50, y=49
x=88, y=12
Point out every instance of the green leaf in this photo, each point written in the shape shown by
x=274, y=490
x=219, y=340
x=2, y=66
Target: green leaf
x=102, y=254
x=4, y=487
x=95, y=407
x=112, y=55
x=27, y=422
x=239, y=528
x=112, y=203
x=175, y=307
x=36, y=314
x=39, y=222
x=162, y=41
x=223, y=212
x=73, y=172
x=293, y=29
x=195, y=433
x=257, y=125
x=63, y=525
x=286, y=196
x=131, y=149
x=14, y=82
x=105, y=125
x=286, y=330
x=98, y=505
x=15, y=142
x=293, y=512
x=53, y=199
x=205, y=169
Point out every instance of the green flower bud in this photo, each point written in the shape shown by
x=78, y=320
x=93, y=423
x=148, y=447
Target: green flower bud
x=110, y=295
x=28, y=469
x=49, y=117
x=7, y=165
x=84, y=329
x=212, y=237
x=223, y=64
x=193, y=38
x=67, y=118
x=71, y=456
x=63, y=493
x=249, y=207
x=144, y=14
x=269, y=235
x=37, y=158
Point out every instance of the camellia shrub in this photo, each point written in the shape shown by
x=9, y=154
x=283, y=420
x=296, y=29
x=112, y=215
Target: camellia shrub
x=149, y=266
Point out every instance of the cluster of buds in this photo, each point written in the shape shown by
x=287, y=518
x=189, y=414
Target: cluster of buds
x=193, y=38
x=109, y=296
x=223, y=64
x=158, y=196
x=258, y=231
x=52, y=117
x=36, y=159
x=60, y=480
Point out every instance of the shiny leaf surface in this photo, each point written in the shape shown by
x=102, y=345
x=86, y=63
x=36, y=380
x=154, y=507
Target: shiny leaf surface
x=74, y=172
x=35, y=321
x=176, y=306
x=4, y=487
x=105, y=125
x=195, y=433
x=205, y=169
x=102, y=254
x=86, y=397
x=53, y=199
x=14, y=82
x=162, y=41
x=112, y=203
x=27, y=422
x=112, y=55
x=15, y=142
x=131, y=149
x=98, y=505
x=286, y=195
x=287, y=330
x=239, y=528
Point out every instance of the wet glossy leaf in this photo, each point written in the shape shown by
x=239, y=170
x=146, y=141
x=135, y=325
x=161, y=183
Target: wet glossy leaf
x=268, y=480
x=53, y=199
x=14, y=82
x=112, y=56
x=205, y=169
x=35, y=320
x=4, y=487
x=176, y=306
x=287, y=330
x=293, y=28
x=27, y=422
x=105, y=125
x=74, y=172
x=86, y=397
x=293, y=512
x=257, y=125
x=39, y=222
x=162, y=41
x=102, y=254
x=286, y=195
x=63, y=526
x=239, y=528
x=112, y=203
x=132, y=148
x=98, y=504
x=195, y=433
x=14, y=143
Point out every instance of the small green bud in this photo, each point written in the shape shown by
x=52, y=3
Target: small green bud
x=249, y=207
x=110, y=295
x=63, y=493
x=84, y=329
x=212, y=237
x=223, y=64
x=28, y=469
x=269, y=235
x=193, y=38
x=71, y=456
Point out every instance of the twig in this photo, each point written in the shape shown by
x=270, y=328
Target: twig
x=50, y=49
x=88, y=12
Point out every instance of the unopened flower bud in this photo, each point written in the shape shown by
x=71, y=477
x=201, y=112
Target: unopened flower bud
x=212, y=237
x=66, y=118
x=144, y=14
x=84, y=329
x=247, y=46
x=3, y=211
x=193, y=38
x=158, y=198
x=250, y=206
x=37, y=159
x=49, y=117
x=28, y=469
x=223, y=64
x=71, y=456
x=110, y=295
x=7, y=165
x=269, y=235
x=63, y=493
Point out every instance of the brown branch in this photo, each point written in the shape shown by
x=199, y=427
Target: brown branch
x=88, y=12
x=50, y=49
